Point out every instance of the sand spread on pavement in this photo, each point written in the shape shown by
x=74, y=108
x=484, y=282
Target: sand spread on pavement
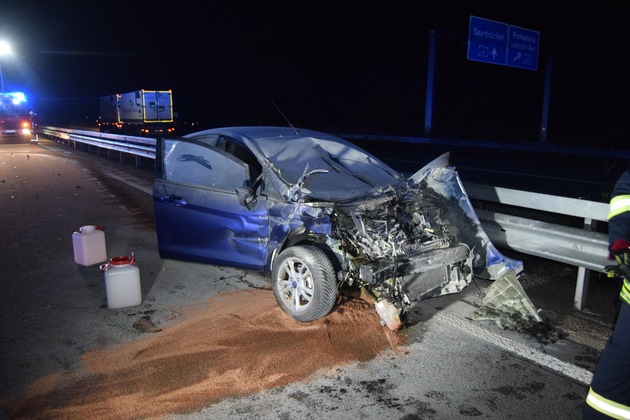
x=235, y=344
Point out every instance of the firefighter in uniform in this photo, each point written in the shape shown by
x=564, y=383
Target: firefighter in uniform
x=609, y=394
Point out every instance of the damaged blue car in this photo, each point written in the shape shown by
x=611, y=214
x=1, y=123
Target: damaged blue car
x=317, y=212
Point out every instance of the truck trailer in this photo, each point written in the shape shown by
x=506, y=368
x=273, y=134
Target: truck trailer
x=141, y=112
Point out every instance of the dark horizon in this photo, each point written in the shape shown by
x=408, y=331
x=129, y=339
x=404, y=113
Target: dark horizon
x=354, y=67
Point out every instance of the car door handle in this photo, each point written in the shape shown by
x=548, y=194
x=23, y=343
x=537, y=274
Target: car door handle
x=173, y=200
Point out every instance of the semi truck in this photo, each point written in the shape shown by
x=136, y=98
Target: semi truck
x=141, y=112
x=16, y=118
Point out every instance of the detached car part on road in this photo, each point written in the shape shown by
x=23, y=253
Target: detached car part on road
x=318, y=212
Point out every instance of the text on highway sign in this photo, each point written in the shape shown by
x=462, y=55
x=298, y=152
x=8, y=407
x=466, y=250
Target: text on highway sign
x=499, y=43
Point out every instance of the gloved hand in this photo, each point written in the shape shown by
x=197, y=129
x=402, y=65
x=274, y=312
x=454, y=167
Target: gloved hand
x=620, y=251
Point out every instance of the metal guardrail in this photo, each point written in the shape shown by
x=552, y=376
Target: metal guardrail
x=581, y=247
x=137, y=146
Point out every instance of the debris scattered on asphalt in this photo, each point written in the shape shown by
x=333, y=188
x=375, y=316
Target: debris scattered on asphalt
x=144, y=324
x=507, y=304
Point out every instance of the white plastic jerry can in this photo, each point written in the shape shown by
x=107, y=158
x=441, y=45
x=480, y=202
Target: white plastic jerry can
x=122, y=282
x=89, y=245
x=389, y=314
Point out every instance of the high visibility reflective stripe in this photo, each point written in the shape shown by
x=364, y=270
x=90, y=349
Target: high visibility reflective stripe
x=618, y=205
x=606, y=406
x=625, y=291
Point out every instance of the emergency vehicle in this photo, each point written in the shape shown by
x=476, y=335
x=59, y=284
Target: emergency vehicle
x=15, y=116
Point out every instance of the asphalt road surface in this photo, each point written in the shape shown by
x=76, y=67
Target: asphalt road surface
x=444, y=365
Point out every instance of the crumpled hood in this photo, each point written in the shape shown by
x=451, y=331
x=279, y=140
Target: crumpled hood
x=322, y=169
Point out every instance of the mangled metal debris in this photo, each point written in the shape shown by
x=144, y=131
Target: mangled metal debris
x=506, y=304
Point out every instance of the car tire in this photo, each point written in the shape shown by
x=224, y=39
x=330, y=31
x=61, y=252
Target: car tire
x=304, y=283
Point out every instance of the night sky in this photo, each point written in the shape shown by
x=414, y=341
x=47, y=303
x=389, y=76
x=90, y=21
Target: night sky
x=343, y=66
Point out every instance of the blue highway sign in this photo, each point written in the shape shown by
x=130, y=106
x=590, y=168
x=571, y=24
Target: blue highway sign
x=523, y=48
x=499, y=43
x=487, y=41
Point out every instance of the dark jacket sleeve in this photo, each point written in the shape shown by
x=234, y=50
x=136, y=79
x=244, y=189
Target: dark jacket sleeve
x=619, y=226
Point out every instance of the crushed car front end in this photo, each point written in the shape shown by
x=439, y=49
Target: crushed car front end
x=410, y=245
x=417, y=240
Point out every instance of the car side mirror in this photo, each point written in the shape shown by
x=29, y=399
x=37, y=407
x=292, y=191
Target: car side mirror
x=246, y=197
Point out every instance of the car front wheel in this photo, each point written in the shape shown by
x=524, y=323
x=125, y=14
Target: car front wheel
x=304, y=284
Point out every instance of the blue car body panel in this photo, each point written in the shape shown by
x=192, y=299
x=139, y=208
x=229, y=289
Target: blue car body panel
x=198, y=215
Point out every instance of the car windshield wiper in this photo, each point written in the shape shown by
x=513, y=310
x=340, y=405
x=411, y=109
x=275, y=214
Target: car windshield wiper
x=299, y=185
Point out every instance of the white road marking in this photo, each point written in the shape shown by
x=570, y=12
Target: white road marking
x=127, y=179
x=549, y=362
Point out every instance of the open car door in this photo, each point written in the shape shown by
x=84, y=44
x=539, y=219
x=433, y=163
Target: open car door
x=198, y=215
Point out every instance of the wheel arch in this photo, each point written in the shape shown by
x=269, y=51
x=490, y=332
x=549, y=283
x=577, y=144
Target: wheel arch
x=303, y=236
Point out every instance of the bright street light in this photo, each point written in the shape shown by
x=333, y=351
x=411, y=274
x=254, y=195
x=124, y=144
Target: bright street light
x=5, y=49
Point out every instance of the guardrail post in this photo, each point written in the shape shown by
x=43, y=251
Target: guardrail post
x=581, y=287
x=583, y=275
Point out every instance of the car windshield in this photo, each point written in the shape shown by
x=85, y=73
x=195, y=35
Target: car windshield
x=330, y=168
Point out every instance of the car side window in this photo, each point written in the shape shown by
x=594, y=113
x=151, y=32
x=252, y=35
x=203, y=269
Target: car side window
x=203, y=165
x=246, y=156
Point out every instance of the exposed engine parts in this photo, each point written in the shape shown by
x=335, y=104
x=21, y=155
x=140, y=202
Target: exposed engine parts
x=401, y=249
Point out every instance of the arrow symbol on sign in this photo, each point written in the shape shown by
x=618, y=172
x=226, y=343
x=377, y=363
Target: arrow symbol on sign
x=517, y=57
x=494, y=53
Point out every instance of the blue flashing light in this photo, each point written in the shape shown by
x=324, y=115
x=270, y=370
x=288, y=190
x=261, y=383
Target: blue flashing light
x=15, y=97
x=18, y=97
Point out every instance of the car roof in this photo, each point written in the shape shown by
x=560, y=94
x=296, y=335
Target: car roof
x=351, y=172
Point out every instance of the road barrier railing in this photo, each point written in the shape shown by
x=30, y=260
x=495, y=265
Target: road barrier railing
x=583, y=247
x=136, y=146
